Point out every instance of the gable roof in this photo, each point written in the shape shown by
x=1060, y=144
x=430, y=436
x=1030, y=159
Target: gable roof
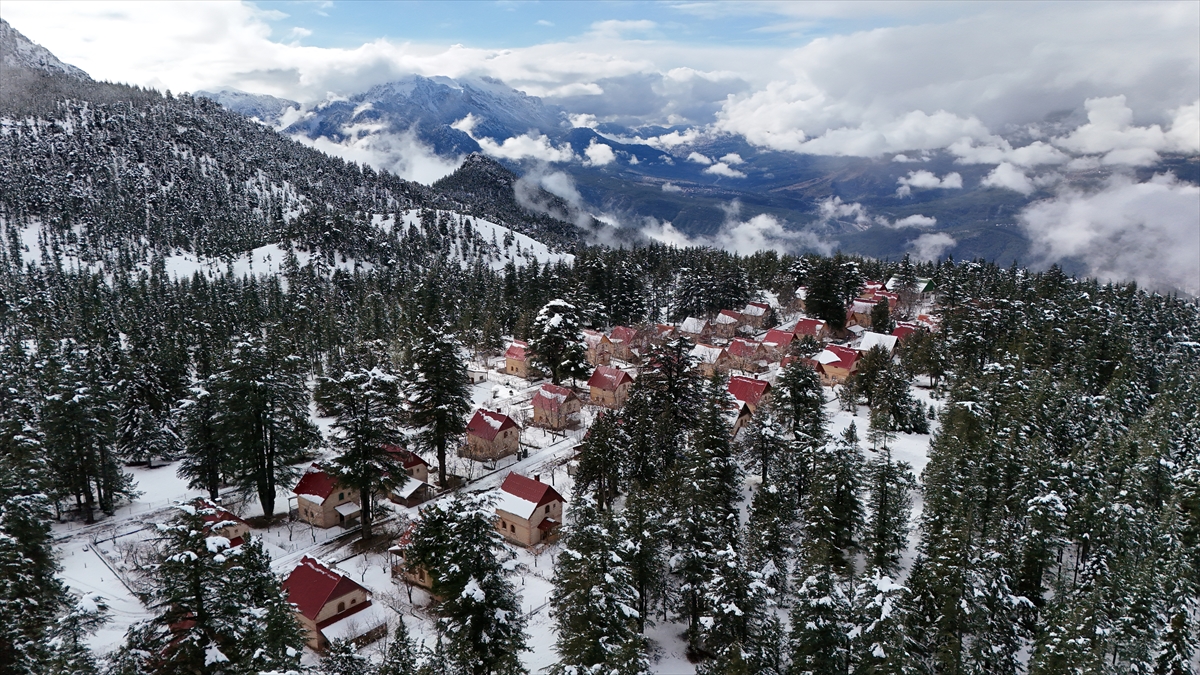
x=664, y=330
x=312, y=585
x=744, y=349
x=623, y=334
x=923, y=285
x=315, y=484
x=486, y=424
x=593, y=338
x=694, y=326
x=811, y=327
x=756, y=309
x=862, y=307
x=407, y=457
x=778, y=338
x=216, y=518
x=747, y=389
x=708, y=353
x=903, y=330
x=551, y=396
x=870, y=339
x=608, y=378
x=516, y=350
x=728, y=316
x=838, y=357
x=522, y=496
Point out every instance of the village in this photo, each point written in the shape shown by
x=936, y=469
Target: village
x=518, y=449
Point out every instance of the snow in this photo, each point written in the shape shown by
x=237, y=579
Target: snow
x=513, y=504
x=361, y=622
x=410, y=486
x=871, y=340
x=531, y=250
x=348, y=509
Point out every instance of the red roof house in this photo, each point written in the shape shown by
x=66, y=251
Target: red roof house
x=415, y=489
x=325, y=599
x=491, y=435
x=748, y=390
x=625, y=340
x=222, y=523
x=555, y=407
x=528, y=511
x=726, y=323
x=609, y=386
x=323, y=502
x=903, y=330
x=516, y=360
x=811, y=327
x=836, y=364
x=778, y=340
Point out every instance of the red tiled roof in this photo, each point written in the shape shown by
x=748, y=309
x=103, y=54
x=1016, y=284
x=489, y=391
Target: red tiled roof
x=311, y=585
x=623, y=334
x=743, y=349
x=811, y=327
x=608, y=378
x=729, y=316
x=551, y=396
x=315, y=482
x=778, y=338
x=516, y=351
x=486, y=424
x=216, y=514
x=747, y=389
x=408, y=457
x=846, y=356
x=664, y=330
x=530, y=490
x=903, y=330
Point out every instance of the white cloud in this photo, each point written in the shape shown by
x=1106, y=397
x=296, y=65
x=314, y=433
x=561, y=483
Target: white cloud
x=599, y=154
x=833, y=209
x=530, y=145
x=584, y=120
x=931, y=246
x=1037, y=153
x=760, y=233
x=915, y=220
x=1008, y=177
x=733, y=159
x=926, y=180
x=698, y=158
x=1148, y=232
x=723, y=169
x=400, y=154
x=671, y=187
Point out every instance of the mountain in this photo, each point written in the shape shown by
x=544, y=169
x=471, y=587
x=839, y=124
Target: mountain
x=18, y=51
x=265, y=108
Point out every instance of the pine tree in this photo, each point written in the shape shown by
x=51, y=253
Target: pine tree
x=70, y=652
x=600, y=457
x=343, y=658
x=269, y=636
x=834, y=509
x=643, y=549
x=881, y=317
x=401, y=656
x=367, y=405
x=594, y=602
x=438, y=394
x=205, y=458
x=263, y=416
x=556, y=341
x=146, y=425
x=742, y=633
x=878, y=642
x=819, y=642
x=770, y=533
x=889, y=485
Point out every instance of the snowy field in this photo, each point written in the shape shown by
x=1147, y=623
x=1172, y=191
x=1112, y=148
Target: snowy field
x=101, y=558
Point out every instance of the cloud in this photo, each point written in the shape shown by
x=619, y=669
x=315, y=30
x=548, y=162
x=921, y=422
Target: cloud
x=1037, y=153
x=1147, y=232
x=833, y=209
x=915, y=220
x=671, y=187
x=926, y=180
x=400, y=154
x=763, y=232
x=530, y=145
x=733, y=159
x=723, y=169
x=1008, y=177
x=1110, y=131
x=931, y=246
x=699, y=158
x=599, y=154
x=544, y=22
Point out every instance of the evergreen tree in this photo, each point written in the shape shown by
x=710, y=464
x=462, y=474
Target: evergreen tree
x=643, y=550
x=556, y=341
x=269, y=638
x=401, y=656
x=600, y=457
x=770, y=533
x=205, y=458
x=819, y=642
x=367, y=405
x=594, y=600
x=70, y=652
x=834, y=508
x=263, y=416
x=889, y=485
x=742, y=634
x=145, y=425
x=343, y=658
x=878, y=642
x=881, y=317
x=438, y=394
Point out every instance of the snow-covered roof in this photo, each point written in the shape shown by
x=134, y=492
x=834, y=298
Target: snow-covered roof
x=778, y=338
x=315, y=485
x=353, y=625
x=871, y=339
x=551, y=396
x=594, y=338
x=486, y=424
x=827, y=356
x=521, y=496
x=694, y=326
x=923, y=285
x=756, y=309
x=862, y=307
x=410, y=486
x=747, y=389
x=809, y=327
x=708, y=353
x=608, y=378
x=516, y=350
x=623, y=334
x=744, y=349
x=728, y=317
x=348, y=509
x=842, y=357
x=312, y=584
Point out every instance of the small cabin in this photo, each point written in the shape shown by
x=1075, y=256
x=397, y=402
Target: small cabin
x=836, y=364
x=418, y=576
x=757, y=315
x=476, y=375
x=663, y=333
x=415, y=489
x=738, y=416
x=814, y=327
x=516, y=359
x=609, y=386
x=221, y=523
x=778, y=341
x=859, y=313
x=748, y=390
x=555, y=407
x=800, y=299
x=626, y=343
x=710, y=359
x=528, y=511
x=324, y=502
x=695, y=329
x=599, y=348
x=491, y=435
x=904, y=329
x=726, y=323
x=748, y=355
x=332, y=606
x=871, y=340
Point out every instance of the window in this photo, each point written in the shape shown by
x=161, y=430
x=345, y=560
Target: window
x=341, y=496
x=547, y=508
x=353, y=600
x=341, y=607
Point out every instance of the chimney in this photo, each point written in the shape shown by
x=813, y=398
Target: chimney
x=537, y=477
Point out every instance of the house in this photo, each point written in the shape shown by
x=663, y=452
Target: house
x=711, y=359
x=870, y=340
x=859, y=313
x=627, y=343
x=813, y=327
x=739, y=415
x=416, y=488
x=757, y=315
x=923, y=288
x=800, y=299
x=516, y=359
x=836, y=364
x=695, y=329
x=491, y=435
x=417, y=576
x=476, y=375
x=599, y=347
x=748, y=390
x=748, y=355
x=903, y=330
x=555, y=407
x=869, y=289
x=663, y=333
x=528, y=511
x=778, y=341
x=221, y=523
x=609, y=386
x=324, y=502
x=332, y=606
x=726, y=323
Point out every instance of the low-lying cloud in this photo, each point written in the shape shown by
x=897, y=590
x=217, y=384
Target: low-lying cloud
x=763, y=232
x=530, y=145
x=400, y=154
x=931, y=246
x=926, y=180
x=1146, y=232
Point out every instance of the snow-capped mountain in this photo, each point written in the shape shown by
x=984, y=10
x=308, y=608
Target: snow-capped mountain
x=18, y=51
x=263, y=107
